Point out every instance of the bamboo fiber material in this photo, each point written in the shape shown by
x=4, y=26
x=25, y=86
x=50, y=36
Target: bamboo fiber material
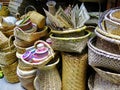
x=48, y=77
x=29, y=37
x=70, y=44
x=98, y=83
x=108, y=75
x=74, y=67
x=46, y=60
x=101, y=58
x=9, y=72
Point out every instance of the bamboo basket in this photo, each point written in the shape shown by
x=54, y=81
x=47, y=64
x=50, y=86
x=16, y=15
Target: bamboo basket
x=70, y=44
x=46, y=60
x=74, y=69
x=48, y=77
x=95, y=82
x=107, y=44
x=9, y=72
x=29, y=37
x=101, y=58
x=108, y=75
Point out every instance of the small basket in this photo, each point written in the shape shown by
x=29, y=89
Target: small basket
x=101, y=58
x=70, y=44
x=46, y=60
x=30, y=37
x=9, y=72
x=74, y=69
x=108, y=75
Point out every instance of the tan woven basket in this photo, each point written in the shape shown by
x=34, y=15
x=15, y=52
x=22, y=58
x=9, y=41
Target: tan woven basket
x=95, y=82
x=108, y=75
x=101, y=58
x=10, y=72
x=43, y=62
x=48, y=77
x=29, y=37
x=74, y=68
x=70, y=44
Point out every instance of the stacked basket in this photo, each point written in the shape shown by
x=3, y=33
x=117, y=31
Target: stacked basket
x=104, y=51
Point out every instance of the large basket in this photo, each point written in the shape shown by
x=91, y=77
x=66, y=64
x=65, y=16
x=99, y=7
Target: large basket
x=108, y=75
x=70, y=44
x=101, y=58
x=95, y=82
x=9, y=72
x=48, y=77
x=74, y=69
x=30, y=37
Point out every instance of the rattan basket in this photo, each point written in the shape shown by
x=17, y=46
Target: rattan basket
x=46, y=60
x=29, y=37
x=74, y=69
x=70, y=44
x=101, y=58
x=48, y=77
x=112, y=77
x=9, y=72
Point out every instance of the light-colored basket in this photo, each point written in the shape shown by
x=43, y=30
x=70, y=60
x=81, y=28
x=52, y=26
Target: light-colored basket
x=43, y=62
x=74, y=69
x=70, y=44
x=108, y=75
x=10, y=72
x=95, y=82
x=101, y=58
x=29, y=37
x=48, y=77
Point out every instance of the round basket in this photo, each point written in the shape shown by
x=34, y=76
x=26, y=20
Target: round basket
x=30, y=37
x=108, y=75
x=43, y=62
x=70, y=44
x=107, y=44
x=101, y=58
x=74, y=69
x=45, y=79
x=9, y=72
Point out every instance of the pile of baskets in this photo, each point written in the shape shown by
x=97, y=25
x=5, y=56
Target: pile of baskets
x=103, y=50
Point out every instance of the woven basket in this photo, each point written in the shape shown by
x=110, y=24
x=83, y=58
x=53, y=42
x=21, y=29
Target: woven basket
x=101, y=58
x=10, y=72
x=108, y=75
x=107, y=44
x=26, y=78
x=70, y=44
x=74, y=71
x=43, y=62
x=48, y=78
x=29, y=37
x=98, y=83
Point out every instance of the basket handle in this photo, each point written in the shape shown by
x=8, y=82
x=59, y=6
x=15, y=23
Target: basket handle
x=10, y=41
x=30, y=6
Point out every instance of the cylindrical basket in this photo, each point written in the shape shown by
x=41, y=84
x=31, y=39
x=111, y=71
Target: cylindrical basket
x=101, y=58
x=74, y=68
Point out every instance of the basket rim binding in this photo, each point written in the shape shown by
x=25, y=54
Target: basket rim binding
x=72, y=38
x=101, y=52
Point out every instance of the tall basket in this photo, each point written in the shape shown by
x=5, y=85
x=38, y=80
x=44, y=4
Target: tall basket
x=74, y=71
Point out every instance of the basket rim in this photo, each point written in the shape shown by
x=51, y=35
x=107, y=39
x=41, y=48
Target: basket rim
x=72, y=38
x=102, y=52
x=68, y=31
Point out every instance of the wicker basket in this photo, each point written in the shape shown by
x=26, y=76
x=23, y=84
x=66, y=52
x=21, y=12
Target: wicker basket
x=29, y=37
x=101, y=58
x=10, y=72
x=108, y=75
x=107, y=44
x=48, y=78
x=43, y=62
x=74, y=71
x=95, y=82
x=70, y=44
